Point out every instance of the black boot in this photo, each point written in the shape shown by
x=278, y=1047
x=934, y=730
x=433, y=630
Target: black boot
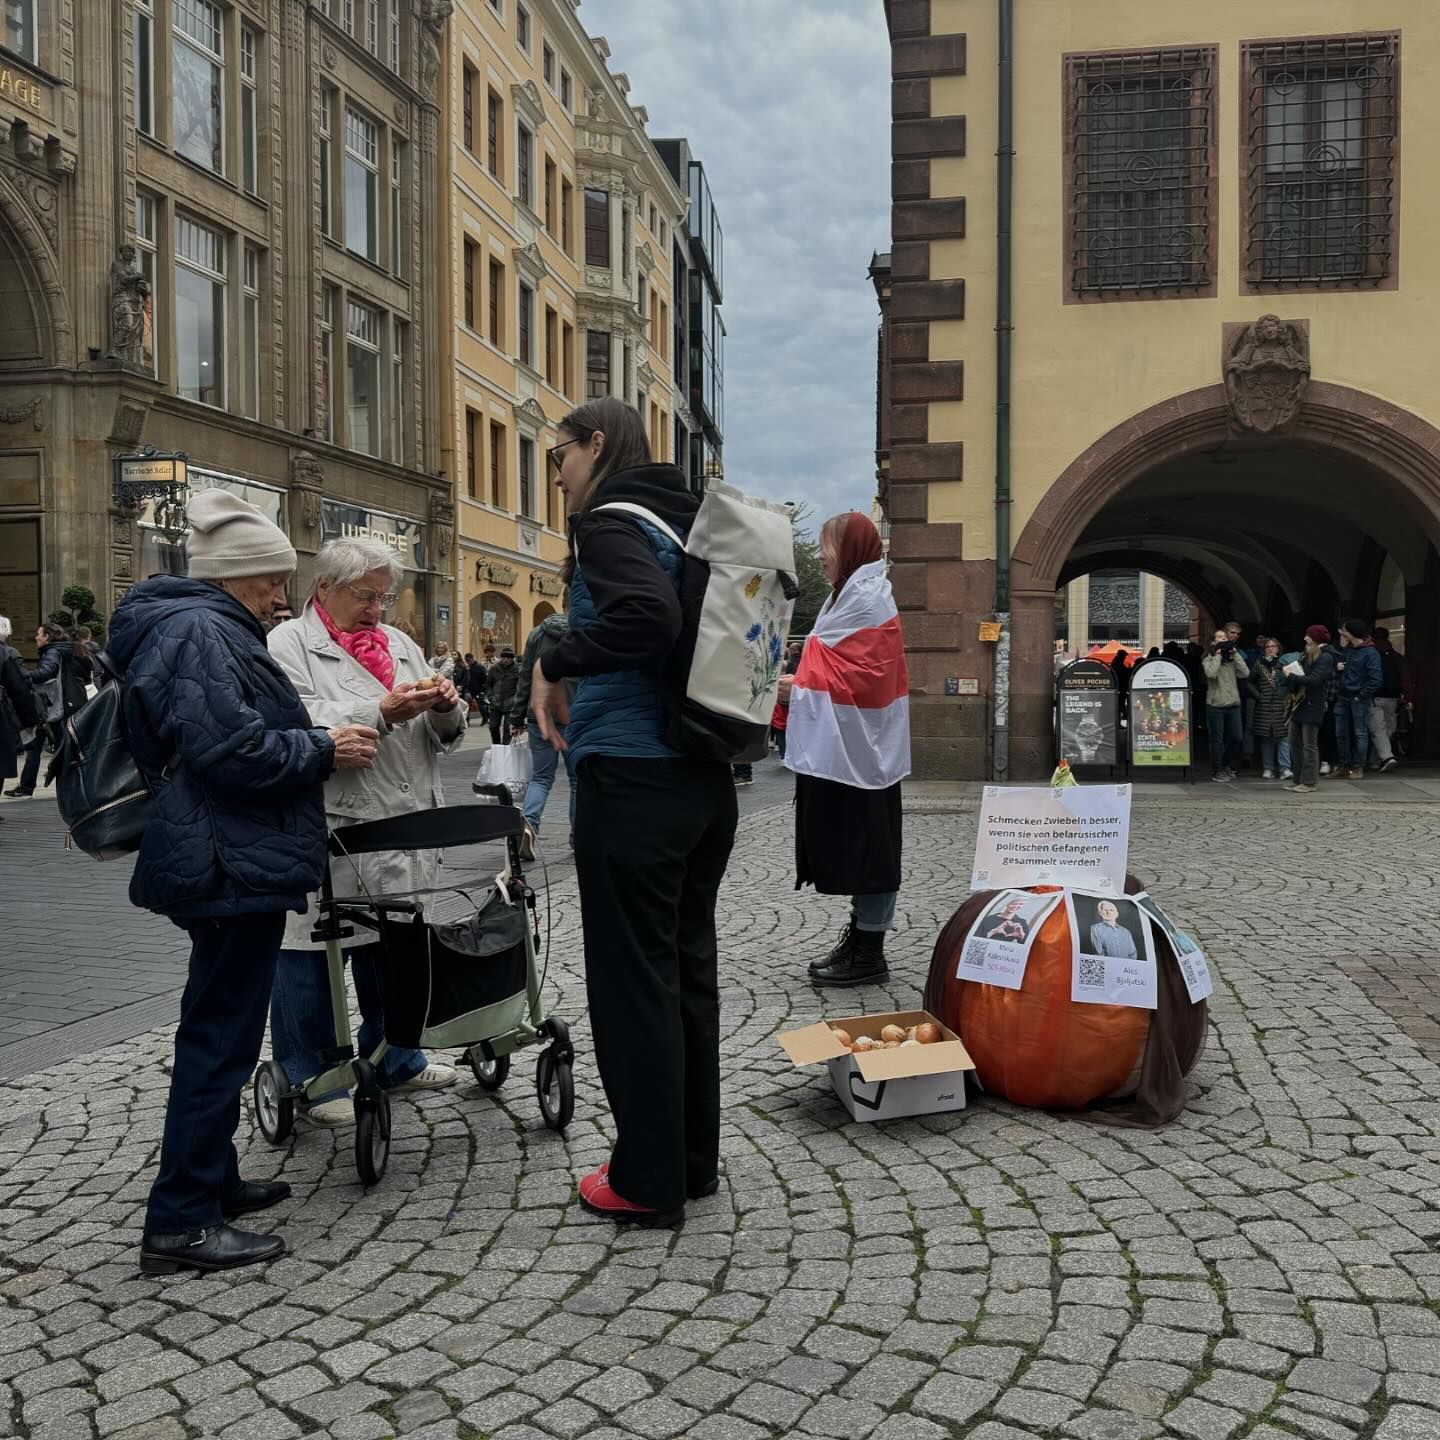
x=254, y=1195
x=863, y=965
x=840, y=952
x=218, y=1249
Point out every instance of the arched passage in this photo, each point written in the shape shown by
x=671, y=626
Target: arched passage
x=1276, y=532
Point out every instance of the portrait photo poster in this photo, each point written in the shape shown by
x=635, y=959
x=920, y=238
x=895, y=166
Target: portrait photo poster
x=1193, y=964
x=997, y=949
x=1114, y=954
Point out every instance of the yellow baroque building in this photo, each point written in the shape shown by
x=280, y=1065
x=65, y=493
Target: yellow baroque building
x=558, y=218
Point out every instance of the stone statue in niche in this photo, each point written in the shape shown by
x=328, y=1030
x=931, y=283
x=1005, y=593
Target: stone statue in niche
x=1266, y=375
x=433, y=15
x=129, y=290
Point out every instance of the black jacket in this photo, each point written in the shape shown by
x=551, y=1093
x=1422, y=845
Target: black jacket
x=225, y=742
x=500, y=686
x=16, y=709
x=1312, y=687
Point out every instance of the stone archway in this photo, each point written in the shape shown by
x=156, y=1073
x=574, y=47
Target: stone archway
x=1338, y=427
x=35, y=269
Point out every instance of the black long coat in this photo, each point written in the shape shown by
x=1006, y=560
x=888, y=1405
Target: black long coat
x=15, y=683
x=847, y=840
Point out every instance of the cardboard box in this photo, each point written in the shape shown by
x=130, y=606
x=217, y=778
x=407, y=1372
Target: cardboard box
x=886, y=1084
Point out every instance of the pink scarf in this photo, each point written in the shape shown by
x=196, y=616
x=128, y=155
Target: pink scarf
x=370, y=648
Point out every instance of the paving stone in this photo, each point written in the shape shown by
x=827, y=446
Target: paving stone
x=1200, y=1420
x=954, y=1398
x=1406, y=1422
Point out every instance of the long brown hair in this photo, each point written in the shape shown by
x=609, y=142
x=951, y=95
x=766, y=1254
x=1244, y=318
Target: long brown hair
x=626, y=446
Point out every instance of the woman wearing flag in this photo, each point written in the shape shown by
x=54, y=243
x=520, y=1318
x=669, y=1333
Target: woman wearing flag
x=848, y=742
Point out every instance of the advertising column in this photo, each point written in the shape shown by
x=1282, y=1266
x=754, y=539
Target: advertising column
x=1159, y=716
x=1087, y=713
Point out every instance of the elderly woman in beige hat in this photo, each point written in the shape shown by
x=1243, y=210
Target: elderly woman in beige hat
x=349, y=666
x=235, y=840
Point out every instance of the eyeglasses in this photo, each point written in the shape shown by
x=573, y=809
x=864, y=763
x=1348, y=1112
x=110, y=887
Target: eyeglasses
x=374, y=597
x=553, y=454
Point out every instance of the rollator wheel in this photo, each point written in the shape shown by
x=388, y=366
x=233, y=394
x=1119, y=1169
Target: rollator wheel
x=274, y=1109
x=372, y=1138
x=555, y=1088
x=489, y=1074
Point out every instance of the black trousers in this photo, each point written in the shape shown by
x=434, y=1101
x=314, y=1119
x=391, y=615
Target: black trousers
x=652, y=840
x=222, y=1024
x=34, y=753
x=499, y=723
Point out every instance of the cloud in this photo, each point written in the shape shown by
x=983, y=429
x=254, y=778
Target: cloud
x=786, y=104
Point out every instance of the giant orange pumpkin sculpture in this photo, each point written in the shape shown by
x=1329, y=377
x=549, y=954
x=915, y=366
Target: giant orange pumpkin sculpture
x=1035, y=1046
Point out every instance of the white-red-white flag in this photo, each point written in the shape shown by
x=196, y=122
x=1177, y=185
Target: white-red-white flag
x=850, y=705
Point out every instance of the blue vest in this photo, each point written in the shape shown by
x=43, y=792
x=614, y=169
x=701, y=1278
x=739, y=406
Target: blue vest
x=619, y=712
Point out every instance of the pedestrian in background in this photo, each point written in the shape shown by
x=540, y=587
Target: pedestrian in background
x=348, y=666
x=653, y=828
x=1385, y=708
x=848, y=743
x=500, y=687
x=544, y=757
x=1224, y=669
x=235, y=840
x=443, y=662
x=1359, y=680
x=18, y=711
x=1271, y=722
x=1311, y=688
x=60, y=689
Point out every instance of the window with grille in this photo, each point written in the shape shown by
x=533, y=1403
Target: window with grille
x=1141, y=181
x=1322, y=120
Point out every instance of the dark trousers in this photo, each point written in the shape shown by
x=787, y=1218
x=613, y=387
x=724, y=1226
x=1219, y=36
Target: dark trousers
x=779, y=737
x=222, y=1022
x=499, y=728
x=34, y=753
x=652, y=840
x=1305, y=752
x=1225, y=728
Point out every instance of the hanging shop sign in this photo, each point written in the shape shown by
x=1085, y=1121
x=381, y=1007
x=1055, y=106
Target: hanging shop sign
x=1160, y=732
x=1087, y=712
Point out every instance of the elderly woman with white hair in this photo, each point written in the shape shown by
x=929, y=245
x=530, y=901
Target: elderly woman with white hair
x=349, y=667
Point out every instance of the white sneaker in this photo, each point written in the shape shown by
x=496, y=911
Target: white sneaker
x=1287, y=774
x=331, y=1114
x=1324, y=767
x=432, y=1077
x=1267, y=774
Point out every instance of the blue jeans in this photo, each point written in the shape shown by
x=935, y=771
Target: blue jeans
x=1352, y=731
x=1225, y=726
x=873, y=912
x=543, y=758
x=1270, y=752
x=302, y=1022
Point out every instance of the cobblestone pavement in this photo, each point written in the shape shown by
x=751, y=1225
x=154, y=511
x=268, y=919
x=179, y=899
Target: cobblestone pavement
x=1265, y=1267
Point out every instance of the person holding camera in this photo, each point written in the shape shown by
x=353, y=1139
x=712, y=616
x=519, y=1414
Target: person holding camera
x=1224, y=668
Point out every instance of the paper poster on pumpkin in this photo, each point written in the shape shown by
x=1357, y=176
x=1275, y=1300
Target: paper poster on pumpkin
x=1193, y=965
x=997, y=949
x=1114, y=954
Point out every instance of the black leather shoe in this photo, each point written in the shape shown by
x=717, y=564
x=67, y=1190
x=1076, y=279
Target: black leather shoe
x=219, y=1249
x=864, y=964
x=841, y=952
x=18, y=793
x=705, y=1191
x=255, y=1195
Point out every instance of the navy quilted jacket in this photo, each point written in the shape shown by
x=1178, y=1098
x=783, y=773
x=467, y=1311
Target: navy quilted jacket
x=224, y=740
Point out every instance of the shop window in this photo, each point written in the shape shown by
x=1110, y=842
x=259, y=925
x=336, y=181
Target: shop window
x=197, y=62
x=199, y=312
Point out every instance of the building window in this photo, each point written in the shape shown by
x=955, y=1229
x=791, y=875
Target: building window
x=664, y=234
x=1322, y=175
x=467, y=100
x=468, y=280
x=550, y=178
x=567, y=217
x=250, y=329
x=327, y=362
x=362, y=378
x=494, y=110
x=522, y=28
x=525, y=325
x=1141, y=182
x=397, y=232
x=249, y=136
x=498, y=6
x=327, y=105
x=527, y=477
x=597, y=228
x=395, y=32
x=654, y=219
x=400, y=338
x=524, y=165
x=362, y=150
x=627, y=369
x=347, y=16
x=547, y=65
x=372, y=26
x=20, y=34
x=147, y=251
x=199, y=312
x=552, y=348
x=567, y=361
x=597, y=364
x=497, y=465
x=197, y=60
x=567, y=89
x=627, y=242
x=472, y=454
x=641, y=296
x=497, y=304
x=142, y=52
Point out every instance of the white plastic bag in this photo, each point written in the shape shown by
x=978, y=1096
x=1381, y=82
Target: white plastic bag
x=508, y=765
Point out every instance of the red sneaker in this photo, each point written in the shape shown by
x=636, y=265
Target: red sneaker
x=711, y=1187
x=597, y=1196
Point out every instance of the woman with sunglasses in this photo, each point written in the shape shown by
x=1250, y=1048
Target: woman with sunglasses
x=653, y=827
x=349, y=667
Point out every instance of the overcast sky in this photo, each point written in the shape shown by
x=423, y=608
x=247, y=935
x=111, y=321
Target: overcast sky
x=786, y=103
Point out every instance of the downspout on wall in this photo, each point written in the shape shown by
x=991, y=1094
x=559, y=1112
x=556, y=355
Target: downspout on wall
x=1004, y=207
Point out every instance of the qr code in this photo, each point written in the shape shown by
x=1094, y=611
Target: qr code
x=1092, y=972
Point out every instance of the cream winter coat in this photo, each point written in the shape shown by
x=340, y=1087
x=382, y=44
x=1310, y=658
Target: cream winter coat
x=338, y=690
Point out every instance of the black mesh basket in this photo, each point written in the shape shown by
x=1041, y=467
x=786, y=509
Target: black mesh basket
x=435, y=973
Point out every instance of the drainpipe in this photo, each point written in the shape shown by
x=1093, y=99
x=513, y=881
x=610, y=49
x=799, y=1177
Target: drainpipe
x=1004, y=259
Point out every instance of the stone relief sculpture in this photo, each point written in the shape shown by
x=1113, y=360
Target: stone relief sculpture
x=129, y=290
x=1266, y=375
x=433, y=15
x=442, y=520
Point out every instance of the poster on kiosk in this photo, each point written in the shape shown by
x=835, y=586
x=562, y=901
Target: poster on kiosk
x=1087, y=712
x=1159, y=716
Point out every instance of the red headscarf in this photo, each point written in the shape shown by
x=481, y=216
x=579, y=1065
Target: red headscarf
x=859, y=544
